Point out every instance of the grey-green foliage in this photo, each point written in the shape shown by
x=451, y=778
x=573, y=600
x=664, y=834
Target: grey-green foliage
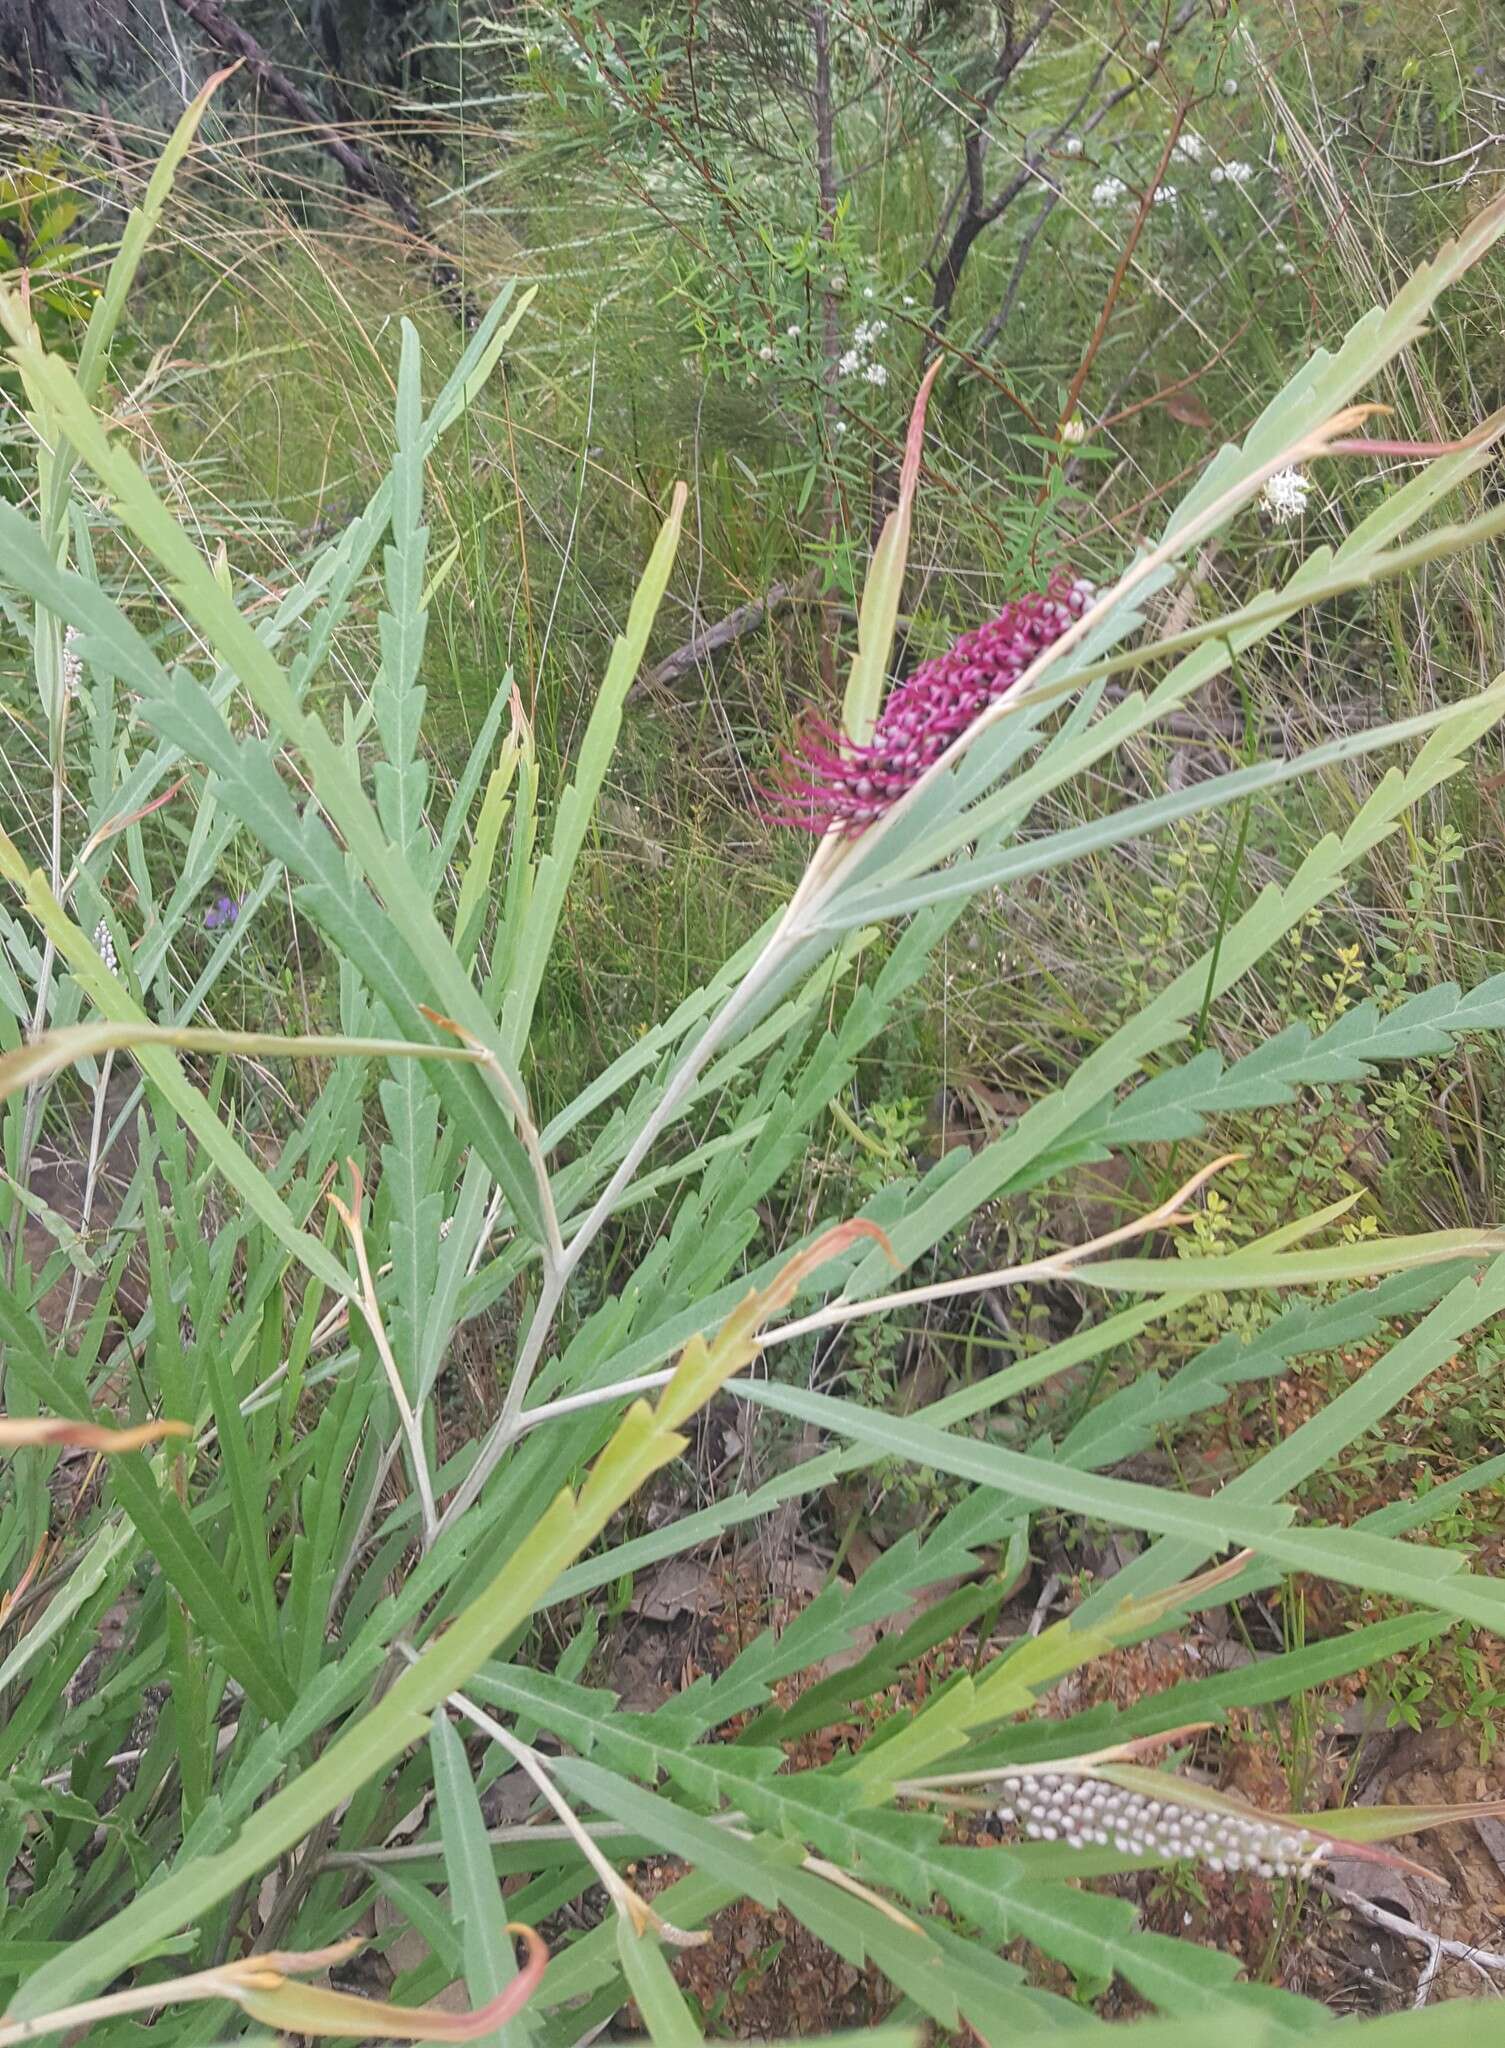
x=302, y=1629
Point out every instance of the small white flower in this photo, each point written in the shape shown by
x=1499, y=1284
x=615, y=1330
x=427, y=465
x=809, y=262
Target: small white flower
x=1285, y=494
x=765, y=353
x=1189, y=148
x=1288, y=270
x=876, y=374
x=1165, y=195
x=840, y=427
x=1074, y=433
x=104, y=946
x=793, y=333
x=1108, y=192
x=1236, y=173
x=868, y=292
x=908, y=300
x=1152, y=47
x=1230, y=88
x=1072, y=146
x=849, y=362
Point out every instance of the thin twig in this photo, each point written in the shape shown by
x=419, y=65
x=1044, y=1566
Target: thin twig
x=1000, y=319
x=634, y=1909
x=91, y=1177
x=532, y=1762
x=1048, y=1593
x=592, y=1397
x=1120, y=272
x=522, y=1117
x=977, y=218
x=1056, y=1264
x=371, y=1309
x=1052, y=1267
x=1481, y=1959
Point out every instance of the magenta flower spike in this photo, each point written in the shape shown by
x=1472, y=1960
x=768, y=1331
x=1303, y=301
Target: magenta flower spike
x=830, y=781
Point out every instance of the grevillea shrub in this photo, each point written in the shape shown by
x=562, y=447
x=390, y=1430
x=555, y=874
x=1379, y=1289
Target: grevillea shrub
x=263, y=1655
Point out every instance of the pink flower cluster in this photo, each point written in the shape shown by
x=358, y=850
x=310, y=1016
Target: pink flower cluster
x=829, y=781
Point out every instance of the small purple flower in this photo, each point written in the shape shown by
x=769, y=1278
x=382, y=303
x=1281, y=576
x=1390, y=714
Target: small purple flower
x=223, y=911
x=829, y=781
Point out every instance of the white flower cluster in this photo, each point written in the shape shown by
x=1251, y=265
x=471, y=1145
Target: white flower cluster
x=104, y=946
x=854, y=361
x=1188, y=150
x=1285, y=494
x=1083, y=1812
x=73, y=667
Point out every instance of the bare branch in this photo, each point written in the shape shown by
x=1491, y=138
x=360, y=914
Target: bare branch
x=981, y=213
x=711, y=639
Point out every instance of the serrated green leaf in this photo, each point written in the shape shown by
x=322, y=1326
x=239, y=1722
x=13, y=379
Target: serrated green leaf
x=1431, y=1578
